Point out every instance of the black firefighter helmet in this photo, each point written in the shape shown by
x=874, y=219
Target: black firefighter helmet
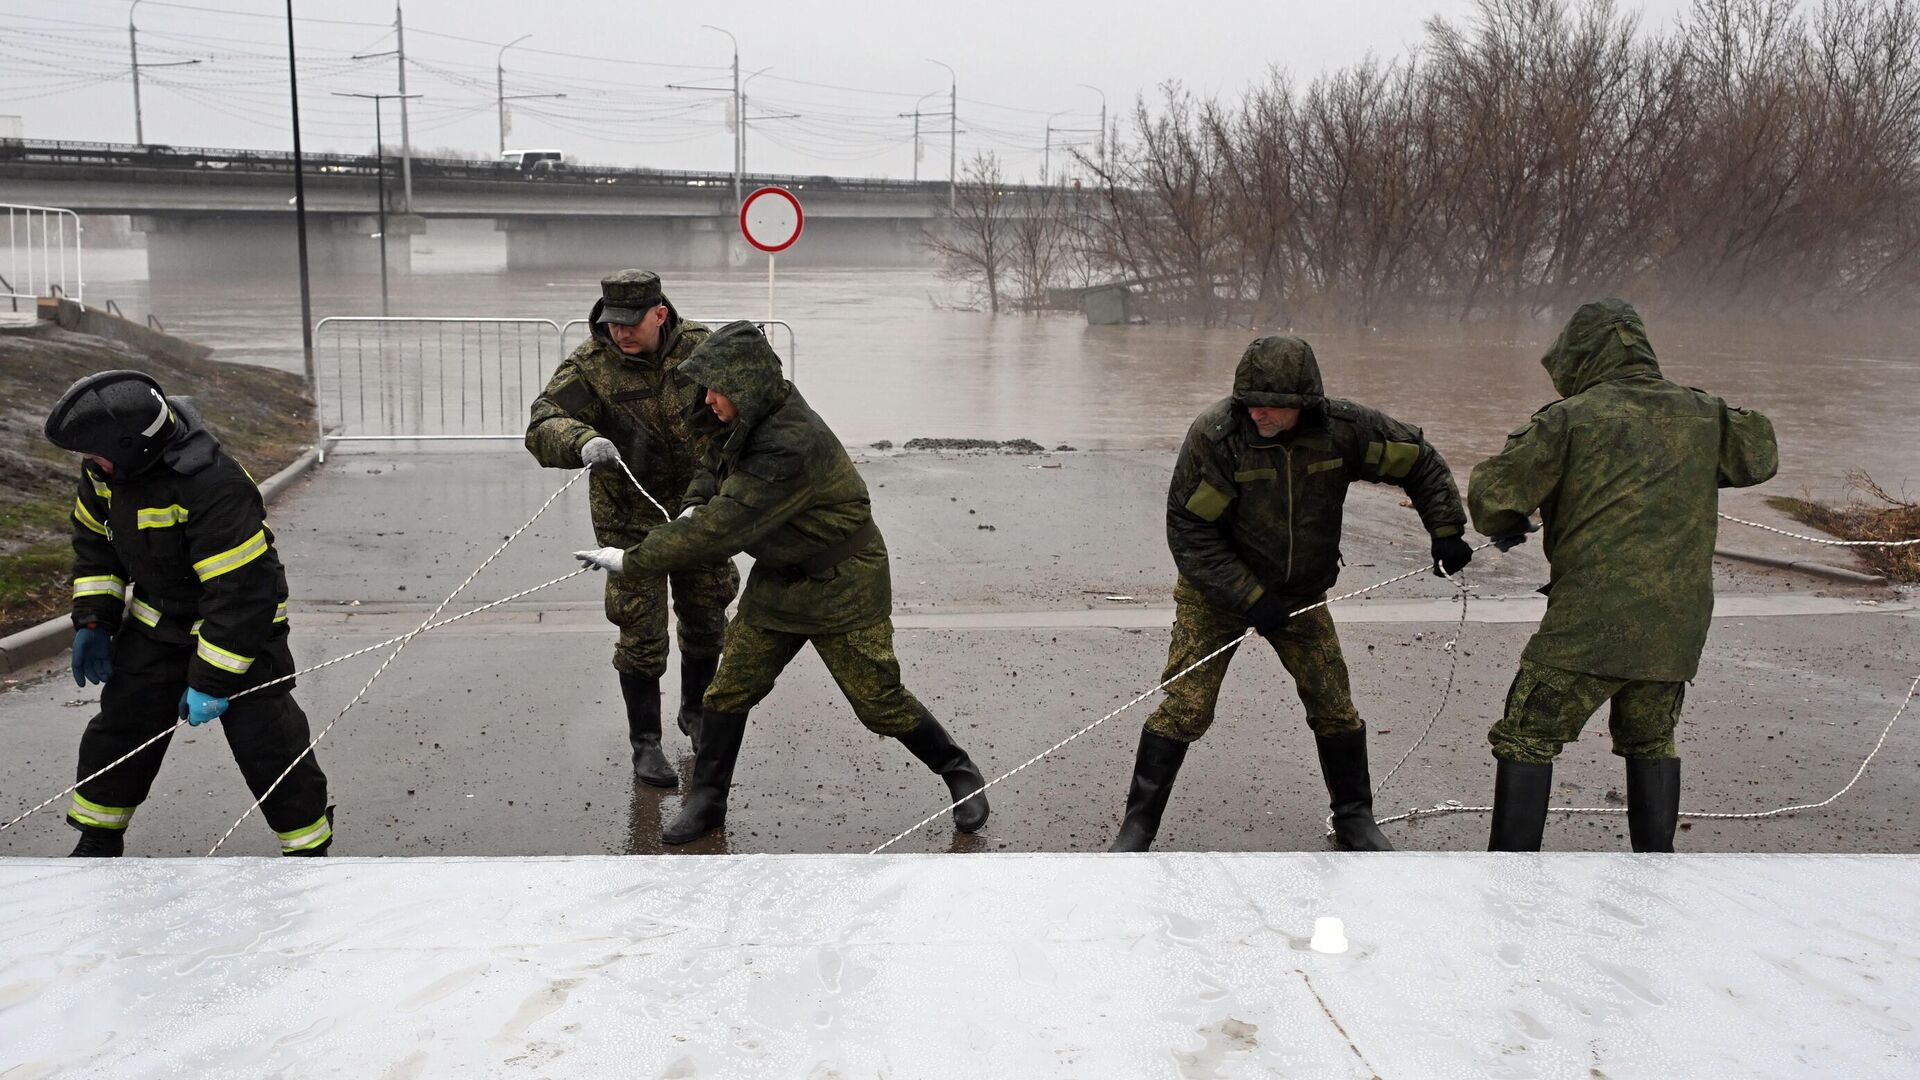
x=121, y=416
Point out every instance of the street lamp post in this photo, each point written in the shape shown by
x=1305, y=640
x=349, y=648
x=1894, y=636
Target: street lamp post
x=1046, y=159
x=953, y=135
x=739, y=119
x=500, y=86
x=916, y=114
x=380, y=172
x=743, y=114
x=300, y=219
x=133, y=60
x=1103, y=122
x=500, y=89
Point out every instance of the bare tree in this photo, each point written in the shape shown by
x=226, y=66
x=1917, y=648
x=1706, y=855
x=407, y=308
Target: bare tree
x=1041, y=242
x=978, y=239
x=1540, y=153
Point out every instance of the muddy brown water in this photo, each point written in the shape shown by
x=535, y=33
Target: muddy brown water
x=883, y=354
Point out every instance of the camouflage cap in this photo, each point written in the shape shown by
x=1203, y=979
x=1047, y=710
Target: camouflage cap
x=627, y=295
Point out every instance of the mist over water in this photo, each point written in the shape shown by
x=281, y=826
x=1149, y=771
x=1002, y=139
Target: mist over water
x=885, y=354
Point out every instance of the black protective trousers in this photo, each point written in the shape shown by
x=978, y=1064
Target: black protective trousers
x=265, y=730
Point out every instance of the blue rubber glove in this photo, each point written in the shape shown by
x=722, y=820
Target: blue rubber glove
x=92, y=661
x=197, y=708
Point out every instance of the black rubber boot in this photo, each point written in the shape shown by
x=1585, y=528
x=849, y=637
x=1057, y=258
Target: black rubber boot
x=1343, y=762
x=643, y=731
x=98, y=843
x=705, y=807
x=1653, y=802
x=319, y=851
x=1520, y=794
x=937, y=751
x=1155, y=765
x=696, y=674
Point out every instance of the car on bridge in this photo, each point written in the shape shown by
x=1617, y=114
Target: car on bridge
x=535, y=163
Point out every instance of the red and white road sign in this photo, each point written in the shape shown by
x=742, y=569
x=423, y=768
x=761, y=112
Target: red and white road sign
x=770, y=219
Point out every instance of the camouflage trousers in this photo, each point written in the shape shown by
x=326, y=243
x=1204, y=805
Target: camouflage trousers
x=1548, y=706
x=638, y=606
x=861, y=662
x=1308, y=646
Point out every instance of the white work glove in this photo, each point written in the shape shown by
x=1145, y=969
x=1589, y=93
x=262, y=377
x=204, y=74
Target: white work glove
x=599, y=452
x=688, y=512
x=612, y=560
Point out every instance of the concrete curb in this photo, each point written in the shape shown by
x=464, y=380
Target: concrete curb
x=53, y=637
x=1819, y=570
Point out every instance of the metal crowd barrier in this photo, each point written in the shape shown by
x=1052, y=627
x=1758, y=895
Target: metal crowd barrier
x=573, y=333
x=38, y=244
x=405, y=377
x=430, y=378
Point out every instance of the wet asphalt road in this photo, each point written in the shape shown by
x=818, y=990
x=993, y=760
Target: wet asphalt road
x=504, y=735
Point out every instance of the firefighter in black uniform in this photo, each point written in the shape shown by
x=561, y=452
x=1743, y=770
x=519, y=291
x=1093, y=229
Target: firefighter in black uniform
x=179, y=603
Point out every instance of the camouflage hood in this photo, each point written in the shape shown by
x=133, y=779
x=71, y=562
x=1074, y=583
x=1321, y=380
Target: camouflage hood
x=737, y=361
x=1604, y=340
x=1278, y=373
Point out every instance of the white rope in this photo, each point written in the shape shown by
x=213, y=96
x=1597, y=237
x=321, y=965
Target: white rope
x=1455, y=808
x=1142, y=696
x=398, y=649
x=401, y=641
x=63, y=793
x=1452, y=650
x=1824, y=540
x=643, y=490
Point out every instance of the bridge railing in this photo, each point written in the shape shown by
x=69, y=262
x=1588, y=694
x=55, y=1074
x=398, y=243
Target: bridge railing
x=575, y=331
x=432, y=378
x=15, y=153
x=42, y=257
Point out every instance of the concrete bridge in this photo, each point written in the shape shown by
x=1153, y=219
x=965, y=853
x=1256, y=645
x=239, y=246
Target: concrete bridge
x=207, y=210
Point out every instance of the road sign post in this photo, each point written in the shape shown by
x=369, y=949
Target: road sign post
x=771, y=220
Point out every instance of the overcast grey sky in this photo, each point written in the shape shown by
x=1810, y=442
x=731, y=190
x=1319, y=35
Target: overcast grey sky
x=846, y=67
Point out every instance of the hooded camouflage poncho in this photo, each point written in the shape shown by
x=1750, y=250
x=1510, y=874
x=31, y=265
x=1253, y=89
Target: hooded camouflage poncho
x=1248, y=515
x=1625, y=470
x=777, y=485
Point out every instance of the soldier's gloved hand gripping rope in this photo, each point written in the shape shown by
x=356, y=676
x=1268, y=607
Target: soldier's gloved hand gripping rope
x=610, y=559
x=1451, y=554
x=599, y=453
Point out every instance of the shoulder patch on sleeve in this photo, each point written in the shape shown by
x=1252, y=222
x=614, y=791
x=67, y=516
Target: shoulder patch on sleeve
x=574, y=396
x=1208, y=502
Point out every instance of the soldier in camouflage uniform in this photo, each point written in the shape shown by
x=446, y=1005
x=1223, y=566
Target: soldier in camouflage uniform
x=1626, y=471
x=778, y=485
x=620, y=399
x=1253, y=518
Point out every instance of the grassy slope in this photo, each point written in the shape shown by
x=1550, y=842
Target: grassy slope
x=262, y=416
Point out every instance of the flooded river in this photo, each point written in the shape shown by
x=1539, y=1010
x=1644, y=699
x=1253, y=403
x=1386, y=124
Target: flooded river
x=888, y=354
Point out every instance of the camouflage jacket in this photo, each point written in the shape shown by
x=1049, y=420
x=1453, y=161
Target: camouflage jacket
x=640, y=403
x=1247, y=515
x=779, y=486
x=1625, y=471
